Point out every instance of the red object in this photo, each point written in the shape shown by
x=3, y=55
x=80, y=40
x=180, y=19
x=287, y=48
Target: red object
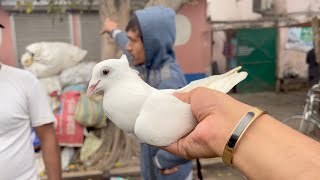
x=53, y=94
x=69, y=132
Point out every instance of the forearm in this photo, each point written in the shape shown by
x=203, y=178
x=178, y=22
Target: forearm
x=50, y=152
x=51, y=156
x=271, y=150
x=267, y=149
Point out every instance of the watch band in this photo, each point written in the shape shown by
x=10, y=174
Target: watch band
x=237, y=133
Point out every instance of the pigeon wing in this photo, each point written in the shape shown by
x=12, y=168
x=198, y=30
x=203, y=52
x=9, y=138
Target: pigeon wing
x=163, y=119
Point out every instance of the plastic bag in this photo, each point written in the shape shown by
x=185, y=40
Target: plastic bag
x=35, y=139
x=51, y=84
x=45, y=59
x=66, y=156
x=89, y=111
x=53, y=88
x=78, y=87
x=90, y=146
x=68, y=131
x=40, y=164
x=79, y=74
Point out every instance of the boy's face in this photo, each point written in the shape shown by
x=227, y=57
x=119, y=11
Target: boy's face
x=136, y=48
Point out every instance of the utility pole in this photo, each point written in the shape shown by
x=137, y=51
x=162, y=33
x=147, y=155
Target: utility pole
x=316, y=39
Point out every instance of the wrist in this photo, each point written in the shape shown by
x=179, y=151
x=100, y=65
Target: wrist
x=238, y=132
x=224, y=124
x=114, y=32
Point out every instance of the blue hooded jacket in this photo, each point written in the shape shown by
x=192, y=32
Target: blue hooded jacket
x=157, y=25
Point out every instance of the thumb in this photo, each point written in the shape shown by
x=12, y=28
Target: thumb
x=173, y=148
x=185, y=97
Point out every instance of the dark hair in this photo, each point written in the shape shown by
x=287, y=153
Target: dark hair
x=134, y=25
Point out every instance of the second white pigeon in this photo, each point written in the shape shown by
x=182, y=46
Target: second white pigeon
x=155, y=117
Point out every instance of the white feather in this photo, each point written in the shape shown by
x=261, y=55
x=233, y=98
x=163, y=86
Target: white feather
x=153, y=116
x=224, y=82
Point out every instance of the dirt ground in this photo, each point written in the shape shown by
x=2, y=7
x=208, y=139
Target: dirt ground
x=278, y=105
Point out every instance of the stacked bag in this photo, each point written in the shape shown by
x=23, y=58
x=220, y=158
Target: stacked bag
x=61, y=70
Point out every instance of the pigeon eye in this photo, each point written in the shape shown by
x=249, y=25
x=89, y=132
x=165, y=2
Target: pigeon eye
x=105, y=72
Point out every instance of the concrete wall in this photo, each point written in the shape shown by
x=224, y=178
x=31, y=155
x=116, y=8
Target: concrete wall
x=290, y=60
x=231, y=10
x=7, y=53
x=219, y=39
x=238, y=10
x=300, y=6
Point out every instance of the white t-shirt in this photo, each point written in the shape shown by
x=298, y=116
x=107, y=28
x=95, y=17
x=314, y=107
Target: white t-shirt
x=23, y=103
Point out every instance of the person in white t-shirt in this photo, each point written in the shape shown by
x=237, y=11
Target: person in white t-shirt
x=23, y=105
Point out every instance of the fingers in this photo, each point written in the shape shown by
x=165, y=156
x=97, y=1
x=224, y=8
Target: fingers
x=108, y=26
x=104, y=30
x=169, y=171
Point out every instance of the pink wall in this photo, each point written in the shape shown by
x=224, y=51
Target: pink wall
x=75, y=24
x=195, y=55
x=7, y=55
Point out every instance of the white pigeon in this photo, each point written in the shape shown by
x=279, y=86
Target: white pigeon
x=155, y=117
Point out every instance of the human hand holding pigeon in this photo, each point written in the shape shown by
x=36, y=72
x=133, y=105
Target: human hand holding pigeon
x=216, y=120
x=155, y=117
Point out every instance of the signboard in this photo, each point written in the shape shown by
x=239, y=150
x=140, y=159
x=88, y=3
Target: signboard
x=300, y=39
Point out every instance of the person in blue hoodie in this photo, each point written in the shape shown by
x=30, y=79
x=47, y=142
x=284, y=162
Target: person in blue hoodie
x=148, y=44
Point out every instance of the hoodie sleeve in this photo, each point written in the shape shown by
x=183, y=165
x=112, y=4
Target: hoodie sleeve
x=166, y=160
x=121, y=39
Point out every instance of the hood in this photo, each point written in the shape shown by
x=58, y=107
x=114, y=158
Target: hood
x=158, y=29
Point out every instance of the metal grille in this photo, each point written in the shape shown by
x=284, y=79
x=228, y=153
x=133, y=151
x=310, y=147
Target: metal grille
x=90, y=37
x=38, y=27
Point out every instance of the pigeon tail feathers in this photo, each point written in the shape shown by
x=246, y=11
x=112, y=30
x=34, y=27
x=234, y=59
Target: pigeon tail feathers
x=223, y=83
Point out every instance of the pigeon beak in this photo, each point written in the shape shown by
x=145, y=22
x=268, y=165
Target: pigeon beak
x=92, y=88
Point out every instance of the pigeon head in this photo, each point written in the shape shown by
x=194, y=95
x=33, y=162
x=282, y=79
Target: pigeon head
x=108, y=72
